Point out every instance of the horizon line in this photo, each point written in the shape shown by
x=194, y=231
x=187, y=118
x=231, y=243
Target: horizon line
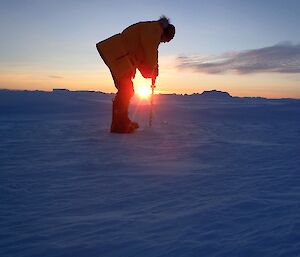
x=176, y=94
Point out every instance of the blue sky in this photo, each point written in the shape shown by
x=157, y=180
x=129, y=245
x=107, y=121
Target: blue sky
x=60, y=36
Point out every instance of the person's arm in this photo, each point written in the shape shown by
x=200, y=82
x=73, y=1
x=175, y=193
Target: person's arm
x=150, y=40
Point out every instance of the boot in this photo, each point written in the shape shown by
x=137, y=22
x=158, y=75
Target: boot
x=134, y=124
x=120, y=121
x=131, y=123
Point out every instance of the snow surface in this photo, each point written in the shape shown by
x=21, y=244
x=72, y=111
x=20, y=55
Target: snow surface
x=210, y=178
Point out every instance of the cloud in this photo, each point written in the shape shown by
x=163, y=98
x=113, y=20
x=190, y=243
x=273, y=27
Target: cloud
x=55, y=77
x=281, y=58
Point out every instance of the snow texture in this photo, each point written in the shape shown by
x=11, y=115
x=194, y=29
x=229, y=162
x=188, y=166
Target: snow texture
x=210, y=178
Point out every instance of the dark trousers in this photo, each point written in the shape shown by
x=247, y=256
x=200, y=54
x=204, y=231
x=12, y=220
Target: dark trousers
x=125, y=92
x=120, y=120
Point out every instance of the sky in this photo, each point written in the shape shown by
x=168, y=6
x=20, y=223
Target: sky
x=247, y=48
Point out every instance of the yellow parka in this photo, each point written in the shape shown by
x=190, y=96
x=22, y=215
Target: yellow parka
x=135, y=48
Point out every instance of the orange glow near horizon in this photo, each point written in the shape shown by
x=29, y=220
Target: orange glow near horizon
x=142, y=86
x=170, y=80
x=143, y=91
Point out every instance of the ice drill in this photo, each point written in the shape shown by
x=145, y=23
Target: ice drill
x=151, y=102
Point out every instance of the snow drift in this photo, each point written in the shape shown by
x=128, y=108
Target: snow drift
x=210, y=178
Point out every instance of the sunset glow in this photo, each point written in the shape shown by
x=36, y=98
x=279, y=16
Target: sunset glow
x=241, y=56
x=143, y=91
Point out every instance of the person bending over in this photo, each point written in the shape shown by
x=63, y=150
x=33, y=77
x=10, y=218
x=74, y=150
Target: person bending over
x=135, y=48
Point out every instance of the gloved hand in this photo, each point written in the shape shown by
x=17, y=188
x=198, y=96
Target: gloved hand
x=148, y=72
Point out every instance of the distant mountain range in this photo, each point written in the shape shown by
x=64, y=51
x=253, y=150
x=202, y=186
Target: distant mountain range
x=209, y=94
x=66, y=101
x=215, y=94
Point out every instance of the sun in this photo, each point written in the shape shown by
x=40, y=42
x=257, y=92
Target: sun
x=143, y=92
